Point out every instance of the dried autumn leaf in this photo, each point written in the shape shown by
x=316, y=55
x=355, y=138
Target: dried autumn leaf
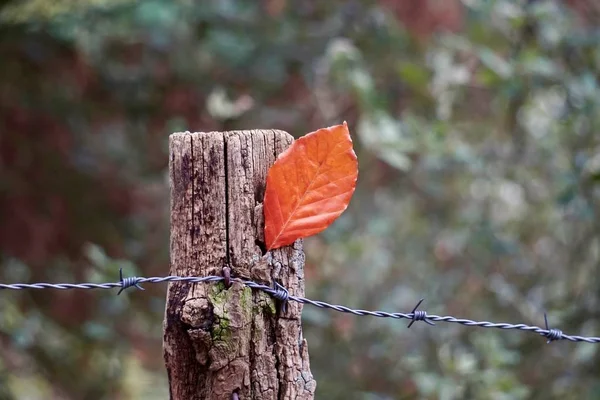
x=309, y=185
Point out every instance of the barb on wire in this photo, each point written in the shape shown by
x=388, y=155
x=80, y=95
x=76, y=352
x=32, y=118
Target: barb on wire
x=280, y=293
x=128, y=282
x=553, y=334
x=418, y=315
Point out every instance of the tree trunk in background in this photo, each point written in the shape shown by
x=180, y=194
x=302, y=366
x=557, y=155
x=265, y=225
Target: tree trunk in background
x=218, y=341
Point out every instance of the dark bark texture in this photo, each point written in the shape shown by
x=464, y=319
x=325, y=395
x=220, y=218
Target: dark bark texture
x=218, y=341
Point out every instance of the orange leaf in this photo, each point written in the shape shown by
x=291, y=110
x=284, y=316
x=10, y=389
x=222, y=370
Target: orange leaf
x=309, y=185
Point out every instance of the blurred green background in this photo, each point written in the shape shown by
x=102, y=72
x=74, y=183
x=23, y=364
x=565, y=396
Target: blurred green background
x=477, y=127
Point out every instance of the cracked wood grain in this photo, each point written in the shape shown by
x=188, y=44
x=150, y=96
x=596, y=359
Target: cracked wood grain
x=217, y=340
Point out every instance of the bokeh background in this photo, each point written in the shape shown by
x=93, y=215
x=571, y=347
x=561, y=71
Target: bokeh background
x=476, y=124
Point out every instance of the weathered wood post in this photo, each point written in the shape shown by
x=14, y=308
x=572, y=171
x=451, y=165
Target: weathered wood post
x=220, y=341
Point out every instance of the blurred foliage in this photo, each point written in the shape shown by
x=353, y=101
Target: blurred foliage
x=476, y=125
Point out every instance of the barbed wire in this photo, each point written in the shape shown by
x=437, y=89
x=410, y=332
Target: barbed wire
x=280, y=293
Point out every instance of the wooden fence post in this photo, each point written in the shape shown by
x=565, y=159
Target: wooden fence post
x=220, y=341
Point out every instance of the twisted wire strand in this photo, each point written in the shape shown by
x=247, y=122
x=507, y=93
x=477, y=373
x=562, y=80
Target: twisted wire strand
x=110, y=285
x=281, y=294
